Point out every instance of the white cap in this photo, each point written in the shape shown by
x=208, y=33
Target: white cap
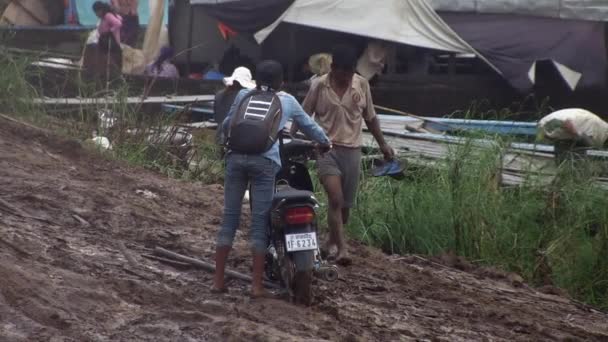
x=241, y=75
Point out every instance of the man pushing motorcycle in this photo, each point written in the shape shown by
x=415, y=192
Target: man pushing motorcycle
x=253, y=159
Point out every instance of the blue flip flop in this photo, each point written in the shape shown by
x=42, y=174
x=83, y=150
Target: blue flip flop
x=393, y=168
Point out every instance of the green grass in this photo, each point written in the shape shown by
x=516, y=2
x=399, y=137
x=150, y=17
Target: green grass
x=554, y=234
x=15, y=91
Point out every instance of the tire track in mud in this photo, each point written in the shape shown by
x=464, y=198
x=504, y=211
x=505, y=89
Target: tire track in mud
x=64, y=274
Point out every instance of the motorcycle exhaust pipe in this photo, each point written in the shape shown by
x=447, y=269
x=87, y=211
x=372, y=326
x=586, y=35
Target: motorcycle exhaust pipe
x=327, y=273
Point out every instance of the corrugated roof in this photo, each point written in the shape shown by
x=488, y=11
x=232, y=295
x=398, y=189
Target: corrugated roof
x=595, y=10
x=210, y=2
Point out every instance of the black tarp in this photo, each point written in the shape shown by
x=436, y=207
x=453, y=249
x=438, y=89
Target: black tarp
x=513, y=43
x=244, y=16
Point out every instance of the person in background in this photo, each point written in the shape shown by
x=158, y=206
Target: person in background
x=213, y=74
x=319, y=64
x=372, y=61
x=260, y=170
x=341, y=101
x=162, y=66
x=573, y=130
x=103, y=54
x=109, y=26
x=240, y=79
x=127, y=9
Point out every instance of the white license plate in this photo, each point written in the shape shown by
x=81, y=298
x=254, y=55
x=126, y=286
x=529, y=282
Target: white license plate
x=301, y=242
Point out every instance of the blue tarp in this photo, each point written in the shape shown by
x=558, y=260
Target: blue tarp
x=87, y=17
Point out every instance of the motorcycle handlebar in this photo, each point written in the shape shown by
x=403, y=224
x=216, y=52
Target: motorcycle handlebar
x=302, y=147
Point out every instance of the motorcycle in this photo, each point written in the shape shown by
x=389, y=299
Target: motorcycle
x=294, y=256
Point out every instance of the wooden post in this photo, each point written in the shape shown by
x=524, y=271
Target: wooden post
x=190, y=27
x=392, y=59
x=291, y=64
x=452, y=64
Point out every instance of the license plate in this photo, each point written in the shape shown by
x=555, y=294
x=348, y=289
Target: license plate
x=301, y=242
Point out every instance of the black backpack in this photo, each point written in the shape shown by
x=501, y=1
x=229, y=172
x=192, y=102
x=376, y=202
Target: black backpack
x=254, y=127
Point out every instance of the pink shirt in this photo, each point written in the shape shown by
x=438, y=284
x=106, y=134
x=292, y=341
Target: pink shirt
x=111, y=23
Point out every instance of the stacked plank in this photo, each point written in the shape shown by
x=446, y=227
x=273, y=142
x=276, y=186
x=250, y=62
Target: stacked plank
x=518, y=161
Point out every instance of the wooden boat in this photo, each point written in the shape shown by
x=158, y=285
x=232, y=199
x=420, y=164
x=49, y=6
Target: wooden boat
x=400, y=122
x=58, y=39
x=450, y=125
x=67, y=83
x=417, y=96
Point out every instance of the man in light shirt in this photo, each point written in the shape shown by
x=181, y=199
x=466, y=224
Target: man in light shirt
x=341, y=102
x=573, y=130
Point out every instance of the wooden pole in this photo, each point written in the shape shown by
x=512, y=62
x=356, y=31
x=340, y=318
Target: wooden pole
x=207, y=266
x=291, y=64
x=190, y=28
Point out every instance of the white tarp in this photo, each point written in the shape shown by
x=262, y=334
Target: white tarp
x=594, y=10
x=498, y=40
x=570, y=76
x=412, y=22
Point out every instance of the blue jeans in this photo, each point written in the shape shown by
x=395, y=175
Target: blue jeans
x=242, y=170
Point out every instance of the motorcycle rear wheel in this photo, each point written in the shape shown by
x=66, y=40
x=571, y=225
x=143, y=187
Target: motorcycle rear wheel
x=302, y=283
x=296, y=270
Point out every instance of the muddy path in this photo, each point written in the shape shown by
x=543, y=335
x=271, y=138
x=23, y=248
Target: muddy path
x=70, y=220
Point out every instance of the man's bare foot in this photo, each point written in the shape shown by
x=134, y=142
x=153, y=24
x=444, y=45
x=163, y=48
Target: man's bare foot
x=327, y=249
x=343, y=259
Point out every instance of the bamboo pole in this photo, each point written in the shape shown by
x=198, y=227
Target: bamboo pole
x=207, y=266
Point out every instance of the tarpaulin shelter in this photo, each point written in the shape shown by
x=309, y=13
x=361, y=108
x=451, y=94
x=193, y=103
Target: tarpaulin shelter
x=512, y=44
x=515, y=44
x=591, y=10
x=574, y=47
x=412, y=22
x=415, y=24
x=244, y=15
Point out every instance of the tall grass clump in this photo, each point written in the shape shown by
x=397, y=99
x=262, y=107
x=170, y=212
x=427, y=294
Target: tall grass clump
x=554, y=234
x=16, y=93
x=139, y=136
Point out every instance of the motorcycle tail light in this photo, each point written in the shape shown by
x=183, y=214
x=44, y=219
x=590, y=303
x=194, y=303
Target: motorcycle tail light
x=299, y=215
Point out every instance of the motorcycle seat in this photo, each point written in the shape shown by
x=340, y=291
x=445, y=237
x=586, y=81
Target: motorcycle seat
x=291, y=195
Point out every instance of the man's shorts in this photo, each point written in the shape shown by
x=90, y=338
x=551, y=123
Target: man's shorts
x=346, y=163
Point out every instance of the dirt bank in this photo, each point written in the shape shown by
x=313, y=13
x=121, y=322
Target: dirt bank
x=65, y=215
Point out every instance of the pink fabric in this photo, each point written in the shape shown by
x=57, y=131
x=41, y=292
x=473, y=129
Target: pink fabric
x=111, y=23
